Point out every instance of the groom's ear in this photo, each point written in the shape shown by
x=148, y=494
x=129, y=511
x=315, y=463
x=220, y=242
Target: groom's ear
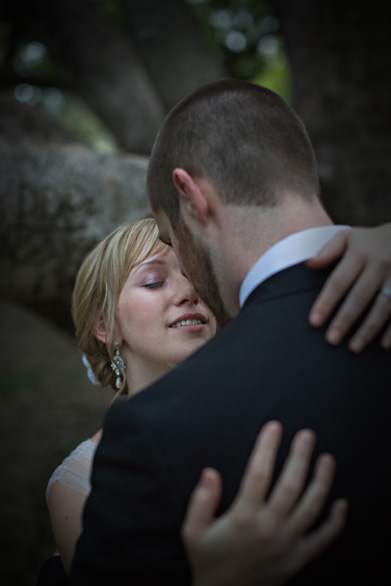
x=193, y=200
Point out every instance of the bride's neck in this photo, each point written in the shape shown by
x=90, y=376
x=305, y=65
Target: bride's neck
x=140, y=378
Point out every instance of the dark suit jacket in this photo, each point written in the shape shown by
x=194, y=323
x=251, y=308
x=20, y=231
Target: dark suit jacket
x=268, y=363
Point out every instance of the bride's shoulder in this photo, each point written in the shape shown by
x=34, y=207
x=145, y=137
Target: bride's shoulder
x=97, y=437
x=74, y=471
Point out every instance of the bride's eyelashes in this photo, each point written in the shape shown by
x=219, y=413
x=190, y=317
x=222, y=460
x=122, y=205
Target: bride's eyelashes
x=154, y=285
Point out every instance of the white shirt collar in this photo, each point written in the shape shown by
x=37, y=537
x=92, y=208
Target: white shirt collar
x=292, y=250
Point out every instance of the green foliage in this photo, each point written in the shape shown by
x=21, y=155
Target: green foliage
x=276, y=76
x=247, y=34
x=82, y=121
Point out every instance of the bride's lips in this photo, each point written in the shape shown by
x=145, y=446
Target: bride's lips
x=196, y=321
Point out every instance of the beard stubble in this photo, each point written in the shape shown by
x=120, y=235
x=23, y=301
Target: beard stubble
x=199, y=270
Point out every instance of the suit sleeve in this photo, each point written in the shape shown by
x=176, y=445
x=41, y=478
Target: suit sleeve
x=131, y=524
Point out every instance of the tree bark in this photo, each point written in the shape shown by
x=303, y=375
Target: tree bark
x=171, y=46
x=340, y=56
x=100, y=65
x=57, y=200
x=56, y=203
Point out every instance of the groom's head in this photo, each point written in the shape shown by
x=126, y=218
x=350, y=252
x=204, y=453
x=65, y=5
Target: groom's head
x=242, y=147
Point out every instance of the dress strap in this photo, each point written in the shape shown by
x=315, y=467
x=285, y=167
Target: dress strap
x=75, y=469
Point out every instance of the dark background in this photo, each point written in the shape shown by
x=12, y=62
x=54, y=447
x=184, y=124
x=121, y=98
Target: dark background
x=84, y=85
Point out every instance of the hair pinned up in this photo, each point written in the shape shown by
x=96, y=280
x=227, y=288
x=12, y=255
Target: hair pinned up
x=98, y=285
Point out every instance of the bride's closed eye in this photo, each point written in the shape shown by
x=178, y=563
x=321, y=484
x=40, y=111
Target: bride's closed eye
x=154, y=285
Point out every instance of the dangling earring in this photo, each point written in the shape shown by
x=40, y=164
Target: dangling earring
x=118, y=363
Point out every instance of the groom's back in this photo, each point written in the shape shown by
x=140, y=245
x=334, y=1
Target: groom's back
x=267, y=364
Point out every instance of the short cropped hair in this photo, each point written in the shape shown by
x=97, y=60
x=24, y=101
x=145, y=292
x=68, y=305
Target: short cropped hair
x=98, y=285
x=245, y=139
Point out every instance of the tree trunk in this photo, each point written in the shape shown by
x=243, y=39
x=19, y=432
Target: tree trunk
x=101, y=66
x=57, y=200
x=170, y=44
x=340, y=56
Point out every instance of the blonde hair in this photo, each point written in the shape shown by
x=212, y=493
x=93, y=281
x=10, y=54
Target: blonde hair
x=98, y=285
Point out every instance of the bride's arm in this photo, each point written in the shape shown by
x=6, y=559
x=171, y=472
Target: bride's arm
x=65, y=510
x=67, y=493
x=247, y=540
x=364, y=275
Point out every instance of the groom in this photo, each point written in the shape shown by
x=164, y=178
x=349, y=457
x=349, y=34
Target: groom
x=234, y=188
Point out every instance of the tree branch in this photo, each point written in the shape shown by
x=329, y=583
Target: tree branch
x=101, y=66
x=57, y=200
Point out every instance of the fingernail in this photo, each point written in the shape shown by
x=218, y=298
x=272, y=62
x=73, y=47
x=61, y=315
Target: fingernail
x=326, y=461
x=305, y=436
x=333, y=336
x=341, y=506
x=386, y=343
x=205, y=477
x=316, y=318
x=356, y=344
x=272, y=427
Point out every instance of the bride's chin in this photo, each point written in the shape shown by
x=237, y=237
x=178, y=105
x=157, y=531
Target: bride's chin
x=193, y=345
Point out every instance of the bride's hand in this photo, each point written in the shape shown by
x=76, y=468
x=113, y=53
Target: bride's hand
x=262, y=540
x=365, y=269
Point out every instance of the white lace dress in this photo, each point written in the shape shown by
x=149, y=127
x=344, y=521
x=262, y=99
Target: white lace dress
x=75, y=469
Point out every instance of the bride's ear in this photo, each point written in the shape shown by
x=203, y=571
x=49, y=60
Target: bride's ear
x=100, y=330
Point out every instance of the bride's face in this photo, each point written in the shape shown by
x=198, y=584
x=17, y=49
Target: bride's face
x=160, y=318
